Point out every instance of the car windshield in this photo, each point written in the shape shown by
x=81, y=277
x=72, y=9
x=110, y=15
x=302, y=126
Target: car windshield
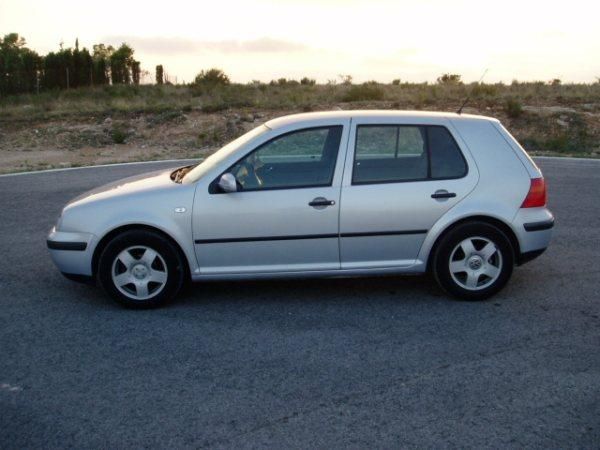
x=213, y=160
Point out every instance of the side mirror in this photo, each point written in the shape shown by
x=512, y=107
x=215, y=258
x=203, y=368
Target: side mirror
x=228, y=183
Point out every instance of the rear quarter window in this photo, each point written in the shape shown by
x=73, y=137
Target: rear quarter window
x=445, y=157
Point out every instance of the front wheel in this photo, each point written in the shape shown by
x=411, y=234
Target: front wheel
x=473, y=261
x=141, y=269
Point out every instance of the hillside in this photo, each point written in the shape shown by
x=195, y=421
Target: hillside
x=132, y=123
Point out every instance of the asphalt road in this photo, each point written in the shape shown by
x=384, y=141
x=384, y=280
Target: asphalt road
x=370, y=363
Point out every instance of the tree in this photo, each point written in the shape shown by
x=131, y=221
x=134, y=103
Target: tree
x=50, y=78
x=101, y=64
x=82, y=66
x=159, y=74
x=86, y=66
x=23, y=70
x=19, y=66
x=65, y=68
x=30, y=67
x=121, y=65
x=135, y=72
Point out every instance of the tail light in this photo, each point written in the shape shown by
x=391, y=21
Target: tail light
x=537, y=194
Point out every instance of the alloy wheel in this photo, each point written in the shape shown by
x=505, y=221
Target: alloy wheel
x=475, y=263
x=139, y=272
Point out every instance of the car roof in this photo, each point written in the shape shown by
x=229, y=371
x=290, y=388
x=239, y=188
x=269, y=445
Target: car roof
x=314, y=116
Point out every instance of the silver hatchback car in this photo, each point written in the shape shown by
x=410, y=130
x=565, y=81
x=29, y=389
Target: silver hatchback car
x=328, y=194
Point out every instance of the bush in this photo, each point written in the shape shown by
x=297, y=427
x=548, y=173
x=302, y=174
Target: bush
x=449, y=78
x=363, y=92
x=483, y=90
x=118, y=135
x=396, y=82
x=513, y=108
x=284, y=82
x=213, y=107
x=165, y=116
x=345, y=79
x=308, y=81
x=211, y=78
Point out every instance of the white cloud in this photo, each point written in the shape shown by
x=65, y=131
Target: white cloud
x=178, y=45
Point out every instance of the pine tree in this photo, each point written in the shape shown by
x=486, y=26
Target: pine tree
x=159, y=74
x=135, y=72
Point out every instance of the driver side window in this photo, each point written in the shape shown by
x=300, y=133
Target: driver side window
x=303, y=158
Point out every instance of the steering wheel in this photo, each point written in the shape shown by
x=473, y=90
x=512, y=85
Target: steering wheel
x=252, y=180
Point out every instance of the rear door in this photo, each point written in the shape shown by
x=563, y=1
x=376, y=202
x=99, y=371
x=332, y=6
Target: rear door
x=400, y=177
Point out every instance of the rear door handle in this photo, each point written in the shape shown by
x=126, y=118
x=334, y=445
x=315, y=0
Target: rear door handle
x=443, y=194
x=321, y=201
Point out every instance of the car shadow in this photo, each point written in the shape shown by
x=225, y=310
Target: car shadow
x=347, y=290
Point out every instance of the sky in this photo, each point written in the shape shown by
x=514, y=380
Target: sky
x=370, y=40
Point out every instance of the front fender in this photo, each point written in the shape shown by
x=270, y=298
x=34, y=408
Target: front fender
x=169, y=211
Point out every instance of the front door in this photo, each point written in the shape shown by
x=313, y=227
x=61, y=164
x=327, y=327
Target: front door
x=400, y=179
x=284, y=217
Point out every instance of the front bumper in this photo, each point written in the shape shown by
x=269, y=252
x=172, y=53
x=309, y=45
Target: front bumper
x=71, y=252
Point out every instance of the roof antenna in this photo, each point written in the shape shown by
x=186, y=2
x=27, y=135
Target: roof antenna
x=469, y=96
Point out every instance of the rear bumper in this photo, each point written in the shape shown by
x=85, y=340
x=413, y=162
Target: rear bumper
x=71, y=252
x=539, y=226
x=533, y=228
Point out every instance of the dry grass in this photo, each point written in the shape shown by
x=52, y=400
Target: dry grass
x=152, y=99
x=89, y=125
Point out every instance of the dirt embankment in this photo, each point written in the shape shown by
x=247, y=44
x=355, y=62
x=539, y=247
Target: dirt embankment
x=100, y=139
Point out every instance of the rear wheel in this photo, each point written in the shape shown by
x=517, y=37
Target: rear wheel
x=141, y=269
x=473, y=261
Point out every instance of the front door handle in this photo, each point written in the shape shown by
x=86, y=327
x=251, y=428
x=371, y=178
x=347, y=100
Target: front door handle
x=321, y=201
x=442, y=193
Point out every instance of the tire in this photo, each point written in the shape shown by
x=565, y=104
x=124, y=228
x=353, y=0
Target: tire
x=483, y=251
x=141, y=269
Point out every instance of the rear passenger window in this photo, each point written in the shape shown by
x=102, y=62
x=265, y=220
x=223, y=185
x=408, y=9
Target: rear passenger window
x=395, y=153
x=389, y=153
x=446, y=159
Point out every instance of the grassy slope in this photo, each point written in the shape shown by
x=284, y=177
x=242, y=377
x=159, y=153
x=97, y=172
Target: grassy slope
x=153, y=122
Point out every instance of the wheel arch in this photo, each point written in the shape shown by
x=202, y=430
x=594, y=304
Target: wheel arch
x=103, y=242
x=502, y=226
